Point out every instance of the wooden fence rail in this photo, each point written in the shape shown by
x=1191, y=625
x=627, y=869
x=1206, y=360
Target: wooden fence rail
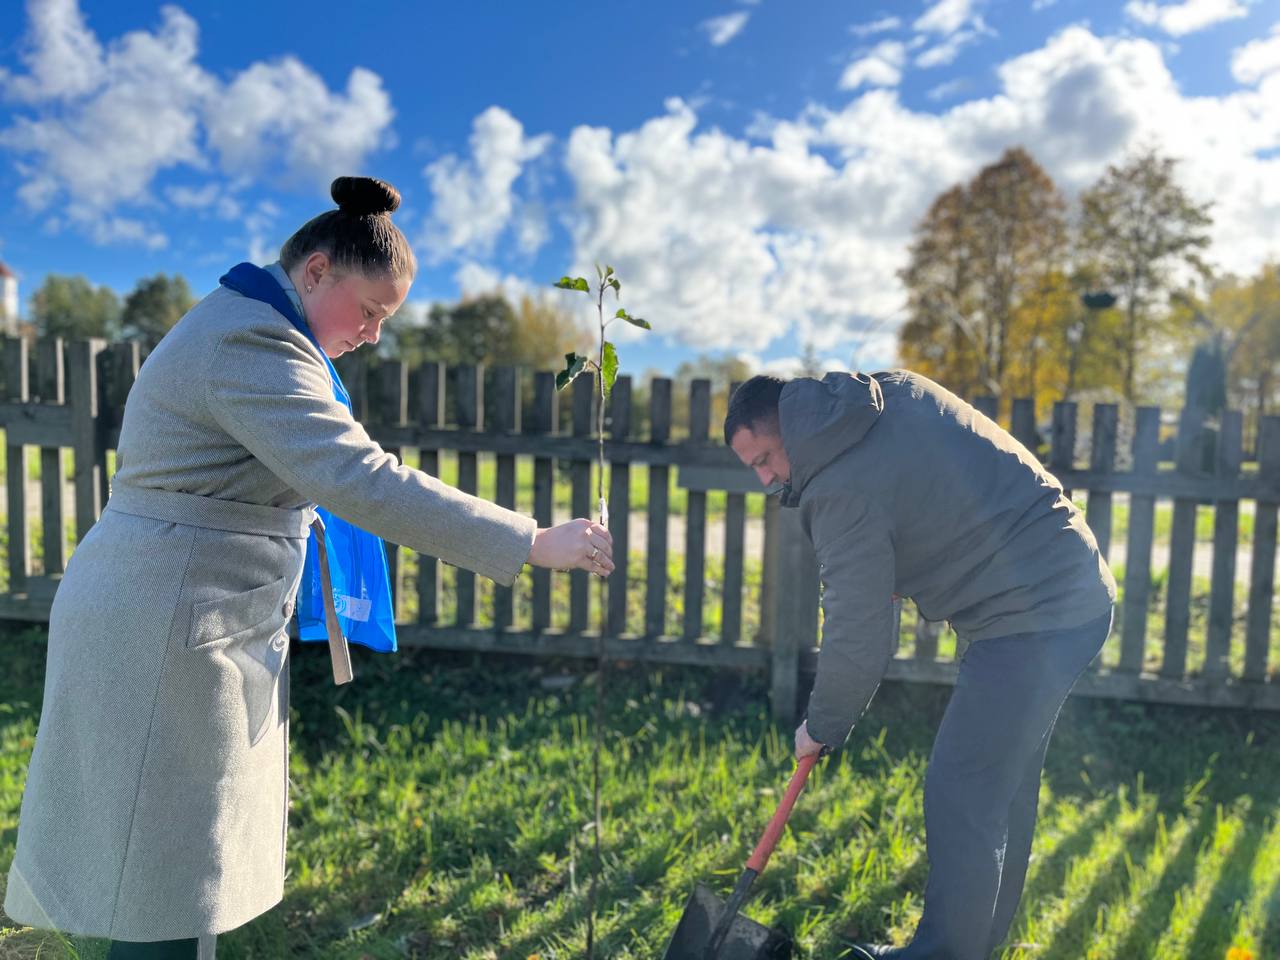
x=59, y=397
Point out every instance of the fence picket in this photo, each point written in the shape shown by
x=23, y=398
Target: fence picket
x=1262, y=574
x=1226, y=515
x=655, y=599
x=735, y=534
x=90, y=452
x=1137, y=572
x=51, y=388
x=1022, y=423
x=770, y=559
x=468, y=399
x=388, y=405
x=584, y=398
x=619, y=506
x=1181, y=551
x=543, y=422
x=16, y=365
x=1102, y=458
x=1062, y=440
x=505, y=414
x=695, y=521
x=797, y=613
x=429, y=408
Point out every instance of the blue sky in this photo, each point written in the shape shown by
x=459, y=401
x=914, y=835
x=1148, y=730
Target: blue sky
x=752, y=169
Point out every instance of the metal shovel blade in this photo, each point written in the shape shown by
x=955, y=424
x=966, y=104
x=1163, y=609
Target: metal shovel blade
x=747, y=940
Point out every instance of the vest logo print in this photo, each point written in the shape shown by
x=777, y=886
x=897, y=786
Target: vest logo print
x=353, y=608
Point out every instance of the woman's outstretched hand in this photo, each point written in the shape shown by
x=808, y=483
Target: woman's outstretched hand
x=576, y=545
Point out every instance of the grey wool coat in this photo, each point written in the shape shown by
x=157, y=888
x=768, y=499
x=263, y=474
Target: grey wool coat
x=156, y=800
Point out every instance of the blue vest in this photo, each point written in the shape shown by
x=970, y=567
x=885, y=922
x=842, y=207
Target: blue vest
x=357, y=559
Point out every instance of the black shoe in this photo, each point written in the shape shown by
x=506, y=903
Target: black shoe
x=867, y=951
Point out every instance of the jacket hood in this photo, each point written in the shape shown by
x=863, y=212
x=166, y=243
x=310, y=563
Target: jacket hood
x=821, y=419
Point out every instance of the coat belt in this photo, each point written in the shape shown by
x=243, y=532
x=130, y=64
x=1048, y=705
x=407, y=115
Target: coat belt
x=255, y=519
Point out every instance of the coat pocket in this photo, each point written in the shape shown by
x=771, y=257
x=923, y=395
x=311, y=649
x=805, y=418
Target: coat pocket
x=227, y=617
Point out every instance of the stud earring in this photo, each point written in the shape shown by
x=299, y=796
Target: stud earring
x=308, y=289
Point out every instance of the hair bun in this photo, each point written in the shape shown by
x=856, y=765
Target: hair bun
x=364, y=196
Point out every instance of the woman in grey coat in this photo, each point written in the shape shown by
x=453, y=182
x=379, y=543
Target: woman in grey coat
x=155, y=805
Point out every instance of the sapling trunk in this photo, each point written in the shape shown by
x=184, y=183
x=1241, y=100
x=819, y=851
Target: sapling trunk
x=605, y=366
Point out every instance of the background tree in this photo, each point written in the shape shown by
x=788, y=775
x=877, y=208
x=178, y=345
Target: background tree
x=545, y=332
x=479, y=329
x=1019, y=244
x=1142, y=235
x=73, y=308
x=984, y=282
x=154, y=306
x=935, y=340
x=721, y=370
x=485, y=329
x=1246, y=315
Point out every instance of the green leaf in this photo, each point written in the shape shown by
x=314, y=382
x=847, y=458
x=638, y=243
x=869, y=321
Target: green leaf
x=636, y=321
x=610, y=372
x=608, y=271
x=617, y=287
x=574, y=364
x=573, y=283
x=599, y=272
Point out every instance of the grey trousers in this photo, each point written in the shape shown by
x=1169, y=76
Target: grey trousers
x=983, y=784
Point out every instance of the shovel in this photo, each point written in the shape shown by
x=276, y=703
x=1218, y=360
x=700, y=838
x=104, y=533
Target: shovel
x=711, y=929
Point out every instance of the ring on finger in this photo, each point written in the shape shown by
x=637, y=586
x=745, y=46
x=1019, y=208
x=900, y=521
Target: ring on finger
x=595, y=552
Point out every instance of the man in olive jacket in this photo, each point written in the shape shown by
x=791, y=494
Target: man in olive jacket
x=905, y=489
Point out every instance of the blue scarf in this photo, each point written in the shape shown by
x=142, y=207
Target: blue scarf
x=357, y=559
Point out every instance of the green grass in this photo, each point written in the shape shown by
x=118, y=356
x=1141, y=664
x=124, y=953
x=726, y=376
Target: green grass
x=441, y=809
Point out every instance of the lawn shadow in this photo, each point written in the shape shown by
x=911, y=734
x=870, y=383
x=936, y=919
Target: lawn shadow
x=1158, y=904
x=1231, y=886
x=1073, y=932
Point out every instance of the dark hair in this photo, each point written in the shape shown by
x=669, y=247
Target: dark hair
x=359, y=236
x=754, y=405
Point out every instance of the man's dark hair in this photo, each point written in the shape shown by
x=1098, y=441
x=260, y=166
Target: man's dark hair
x=754, y=405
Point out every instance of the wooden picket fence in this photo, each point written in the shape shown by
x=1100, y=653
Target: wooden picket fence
x=72, y=395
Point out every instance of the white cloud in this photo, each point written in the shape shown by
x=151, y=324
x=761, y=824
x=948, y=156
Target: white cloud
x=945, y=16
x=1189, y=16
x=63, y=57
x=945, y=52
x=723, y=243
x=1038, y=5
x=883, y=25
x=101, y=124
x=107, y=141
x=473, y=200
x=1258, y=58
x=947, y=90
x=193, y=197
x=262, y=246
x=256, y=124
x=720, y=30
x=882, y=67
x=742, y=243
x=106, y=230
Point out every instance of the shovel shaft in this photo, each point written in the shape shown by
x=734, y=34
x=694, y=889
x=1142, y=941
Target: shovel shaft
x=773, y=832
x=730, y=913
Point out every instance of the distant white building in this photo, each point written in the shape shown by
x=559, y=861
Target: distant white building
x=8, y=301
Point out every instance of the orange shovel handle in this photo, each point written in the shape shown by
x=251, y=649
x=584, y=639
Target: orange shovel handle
x=773, y=832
